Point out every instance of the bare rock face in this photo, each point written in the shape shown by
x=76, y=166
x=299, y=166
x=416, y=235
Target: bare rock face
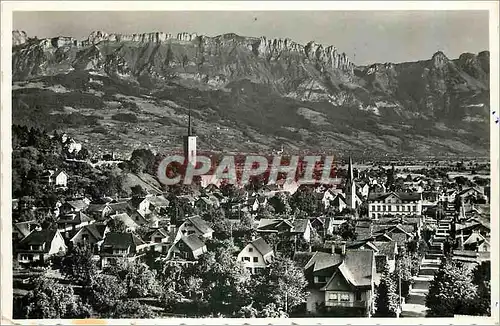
x=19, y=37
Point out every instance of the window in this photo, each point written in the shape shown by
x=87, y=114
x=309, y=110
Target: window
x=190, y=231
x=259, y=270
x=249, y=269
x=250, y=249
x=333, y=297
x=157, y=239
x=321, y=279
x=344, y=297
x=414, y=208
x=246, y=258
x=85, y=237
x=242, y=258
x=255, y=259
x=358, y=296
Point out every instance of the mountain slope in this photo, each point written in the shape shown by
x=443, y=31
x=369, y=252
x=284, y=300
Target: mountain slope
x=248, y=94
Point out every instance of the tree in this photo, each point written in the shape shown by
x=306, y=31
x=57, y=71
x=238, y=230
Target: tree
x=481, y=277
x=51, y=300
x=347, y=230
x=283, y=284
x=403, y=269
x=307, y=201
x=137, y=190
x=132, y=309
x=105, y=292
x=386, y=301
x=139, y=280
x=117, y=225
x=450, y=290
x=78, y=266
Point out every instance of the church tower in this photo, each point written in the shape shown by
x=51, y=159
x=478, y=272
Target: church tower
x=190, y=144
x=350, y=187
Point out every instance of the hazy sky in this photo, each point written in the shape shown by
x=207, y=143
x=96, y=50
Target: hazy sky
x=365, y=36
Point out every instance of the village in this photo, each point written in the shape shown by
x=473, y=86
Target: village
x=376, y=244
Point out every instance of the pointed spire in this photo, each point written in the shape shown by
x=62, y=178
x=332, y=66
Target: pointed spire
x=350, y=173
x=190, y=132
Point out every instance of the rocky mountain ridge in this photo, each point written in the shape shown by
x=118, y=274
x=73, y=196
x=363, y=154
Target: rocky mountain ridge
x=268, y=91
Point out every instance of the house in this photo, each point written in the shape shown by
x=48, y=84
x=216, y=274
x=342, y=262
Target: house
x=21, y=229
x=139, y=204
x=297, y=227
x=187, y=248
x=90, y=235
x=158, y=204
x=364, y=190
x=39, y=245
x=99, y=211
x=119, y=207
x=129, y=222
x=475, y=242
x=339, y=203
x=301, y=228
x=341, y=280
x=274, y=225
x=319, y=224
x=204, y=203
x=471, y=195
x=72, y=222
x=162, y=238
x=394, y=204
x=256, y=256
x=256, y=202
x=57, y=178
x=385, y=254
x=72, y=206
x=119, y=245
x=326, y=197
x=195, y=225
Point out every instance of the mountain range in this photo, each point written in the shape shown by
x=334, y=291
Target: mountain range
x=248, y=94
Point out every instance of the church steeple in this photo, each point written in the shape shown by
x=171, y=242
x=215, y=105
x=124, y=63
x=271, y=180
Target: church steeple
x=190, y=143
x=350, y=172
x=350, y=187
x=190, y=131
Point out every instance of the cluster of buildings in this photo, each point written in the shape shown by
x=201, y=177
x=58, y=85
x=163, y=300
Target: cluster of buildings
x=341, y=273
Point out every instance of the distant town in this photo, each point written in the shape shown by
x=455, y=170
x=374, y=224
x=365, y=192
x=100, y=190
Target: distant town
x=100, y=237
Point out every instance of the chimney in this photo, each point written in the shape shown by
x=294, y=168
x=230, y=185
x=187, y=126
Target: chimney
x=339, y=248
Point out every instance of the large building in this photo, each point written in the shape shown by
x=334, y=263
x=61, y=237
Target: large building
x=190, y=144
x=394, y=204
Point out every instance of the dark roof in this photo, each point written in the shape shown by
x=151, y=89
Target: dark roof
x=25, y=227
x=74, y=218
x=359, y=264
x=78, y=204
x=38, y=238
x=119, y=207
x=404, y=196
x=158, y=201
x=121, y=240
x=200, y=224
x=97, y=230
x=135, y=201
x=322, y=260
x=97, y=207
x=193, y=242
x=386, y=248
x=356, y=265
x=262, y=246
x=300, y=225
